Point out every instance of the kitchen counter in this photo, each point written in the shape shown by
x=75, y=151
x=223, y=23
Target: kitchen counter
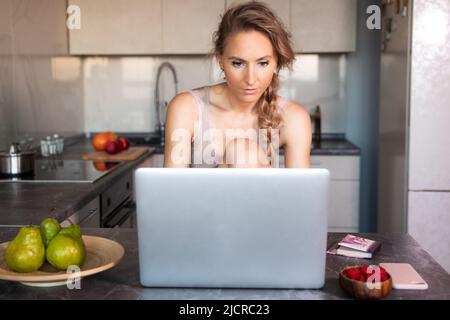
x=122, y=281
x=334, y=145
x=29, y=202
x=24, y=203
x=330, y=144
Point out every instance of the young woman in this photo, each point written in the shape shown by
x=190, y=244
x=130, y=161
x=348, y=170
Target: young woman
x=241, y=122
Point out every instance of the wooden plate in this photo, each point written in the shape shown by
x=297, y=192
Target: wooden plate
x=101, y=254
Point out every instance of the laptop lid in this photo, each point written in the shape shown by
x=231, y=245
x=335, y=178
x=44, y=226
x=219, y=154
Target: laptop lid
x=241, y=228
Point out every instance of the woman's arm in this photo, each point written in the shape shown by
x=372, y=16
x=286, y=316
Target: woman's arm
x=180, y=118
x=297, y=136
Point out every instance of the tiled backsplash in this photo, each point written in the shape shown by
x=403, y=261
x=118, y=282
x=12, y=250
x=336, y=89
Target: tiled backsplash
x=119, y=91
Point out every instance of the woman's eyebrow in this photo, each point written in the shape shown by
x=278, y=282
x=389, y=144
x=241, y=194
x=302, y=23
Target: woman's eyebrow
x=237, y=58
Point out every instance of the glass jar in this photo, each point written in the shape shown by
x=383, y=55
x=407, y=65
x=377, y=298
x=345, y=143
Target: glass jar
x=59, y=142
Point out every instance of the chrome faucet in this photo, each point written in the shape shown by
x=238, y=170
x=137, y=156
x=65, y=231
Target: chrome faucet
x=161, y=122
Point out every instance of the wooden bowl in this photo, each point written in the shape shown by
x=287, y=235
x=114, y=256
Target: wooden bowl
x=361, y=290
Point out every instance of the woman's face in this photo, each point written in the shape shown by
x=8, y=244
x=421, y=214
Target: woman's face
x=248, y=62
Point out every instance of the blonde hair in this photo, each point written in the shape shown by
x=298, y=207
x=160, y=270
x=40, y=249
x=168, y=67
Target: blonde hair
x=257, y=16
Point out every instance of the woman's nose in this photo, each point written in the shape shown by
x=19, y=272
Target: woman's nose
x=250, y=75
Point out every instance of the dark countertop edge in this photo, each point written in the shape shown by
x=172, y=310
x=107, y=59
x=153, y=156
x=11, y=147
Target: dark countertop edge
x=126, y=166
x=337, y=152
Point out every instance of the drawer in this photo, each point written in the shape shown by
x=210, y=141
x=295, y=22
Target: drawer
x=88, y=216
x=340, y=167
x=116, y=194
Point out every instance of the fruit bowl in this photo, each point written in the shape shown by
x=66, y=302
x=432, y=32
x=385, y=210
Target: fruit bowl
x=362, y=289
x=102, y=254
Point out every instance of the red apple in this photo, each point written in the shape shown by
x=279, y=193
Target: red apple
x=109, y=165
x=124, y=142
x=113, y=147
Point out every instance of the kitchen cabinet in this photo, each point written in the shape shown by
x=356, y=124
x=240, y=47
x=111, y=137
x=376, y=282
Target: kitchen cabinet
x=156, y=160
x=116, y=202
x=152, y=26
x=39, y=27
x=323, y=25
x=87, y=217
x=344, y=190
x=281, y=7
x=188, y=25
x=118, y=27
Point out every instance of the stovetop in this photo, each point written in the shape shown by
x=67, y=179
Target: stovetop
x=58, y=170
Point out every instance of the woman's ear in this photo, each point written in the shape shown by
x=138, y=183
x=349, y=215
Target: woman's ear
x=219, y=60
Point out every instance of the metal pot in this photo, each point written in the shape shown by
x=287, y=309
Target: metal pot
x=16, y=162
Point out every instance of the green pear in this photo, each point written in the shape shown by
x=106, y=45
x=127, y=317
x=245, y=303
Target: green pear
x=72, y=230
x=49, y=229
x=26, y=253
x=66, y=248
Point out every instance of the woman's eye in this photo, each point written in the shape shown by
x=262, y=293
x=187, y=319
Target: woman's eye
x=264, y=63
x=236, y=64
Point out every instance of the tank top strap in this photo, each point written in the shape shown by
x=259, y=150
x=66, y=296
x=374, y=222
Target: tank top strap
x=201, y=101
x=282, y=103
x=198, y=102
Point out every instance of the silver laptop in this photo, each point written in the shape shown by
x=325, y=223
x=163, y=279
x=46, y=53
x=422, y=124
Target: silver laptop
x=232, y=228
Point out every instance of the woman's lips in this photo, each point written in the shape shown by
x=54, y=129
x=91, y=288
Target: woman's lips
x=249, y=91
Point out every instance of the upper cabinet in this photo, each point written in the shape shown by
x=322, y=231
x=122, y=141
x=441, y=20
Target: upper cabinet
x=188, y=25
x=118, y=27
x=38, y=27
x=323, y=25
x=282, y=8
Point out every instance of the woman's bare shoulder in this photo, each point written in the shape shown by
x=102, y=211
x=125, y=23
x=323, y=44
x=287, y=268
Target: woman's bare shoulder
x=183, y=100
x=183, y=105
x=295, y=112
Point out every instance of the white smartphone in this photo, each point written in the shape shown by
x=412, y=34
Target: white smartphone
x=404, y=276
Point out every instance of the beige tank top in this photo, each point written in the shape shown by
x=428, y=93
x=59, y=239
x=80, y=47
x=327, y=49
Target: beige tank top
x=203, y=124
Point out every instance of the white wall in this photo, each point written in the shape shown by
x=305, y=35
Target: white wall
x=429, y=147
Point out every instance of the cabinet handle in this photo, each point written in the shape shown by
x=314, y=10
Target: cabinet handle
x=108, y=201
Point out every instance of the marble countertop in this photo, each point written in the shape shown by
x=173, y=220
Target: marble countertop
x=122, y=281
